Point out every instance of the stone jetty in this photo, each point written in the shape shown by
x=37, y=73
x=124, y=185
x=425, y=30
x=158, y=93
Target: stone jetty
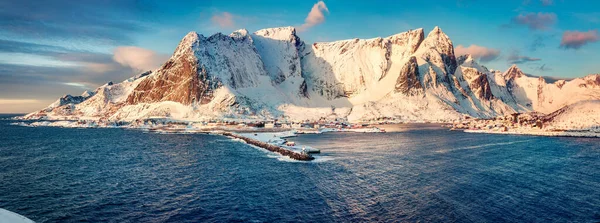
x=272, y=148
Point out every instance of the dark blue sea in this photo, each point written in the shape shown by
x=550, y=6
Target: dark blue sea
x=419, y=173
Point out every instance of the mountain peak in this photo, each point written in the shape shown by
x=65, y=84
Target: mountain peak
x=464, y=59
x=513, y=72
x=438, y=49
x=436, y=32
x=438, y=37
x=187, y=42
x=279, y=33
x=279, y=29
x=190, y=37
x=241, y=34
x=470, y=57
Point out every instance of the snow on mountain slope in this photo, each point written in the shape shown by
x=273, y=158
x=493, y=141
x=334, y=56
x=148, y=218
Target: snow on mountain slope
x=405, y=108
x=109, y=97
x=535, y=94
x=382, y=74
x=349, y=67
x=279, y=50
x=583, y=115
x=106, y=99
x=271, y=74
x=478, y=85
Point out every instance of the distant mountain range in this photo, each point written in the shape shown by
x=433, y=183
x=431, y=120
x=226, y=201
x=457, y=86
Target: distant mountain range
x=273, y=74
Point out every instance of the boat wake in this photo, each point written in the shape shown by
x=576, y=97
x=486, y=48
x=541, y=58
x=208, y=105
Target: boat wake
x=481, y=146
x=318, y=159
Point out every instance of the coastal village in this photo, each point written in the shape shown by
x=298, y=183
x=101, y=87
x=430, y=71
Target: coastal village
x=529, y=124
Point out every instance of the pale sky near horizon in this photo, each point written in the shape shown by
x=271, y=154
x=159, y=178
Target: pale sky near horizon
x=57, y=47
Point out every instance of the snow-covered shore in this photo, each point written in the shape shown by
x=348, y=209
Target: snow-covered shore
x=584, y=134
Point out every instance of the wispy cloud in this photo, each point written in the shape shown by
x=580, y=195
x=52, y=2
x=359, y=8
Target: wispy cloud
x=72, y=71
x=74, y=84
x=223, y=20
x=547, y=2
x=538, y=42
x=315, y=17
x=138, y=58
x=535, y=21
x=465, y=3
x=484, y=54
x=107, y=22
x=577, y=39
x=516, y=58
x=543, y=68
x=543, y=2
x=4, y=101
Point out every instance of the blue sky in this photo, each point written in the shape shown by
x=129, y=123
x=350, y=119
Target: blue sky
x=51, y=48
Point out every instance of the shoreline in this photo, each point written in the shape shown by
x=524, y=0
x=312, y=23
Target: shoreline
x=270, y=139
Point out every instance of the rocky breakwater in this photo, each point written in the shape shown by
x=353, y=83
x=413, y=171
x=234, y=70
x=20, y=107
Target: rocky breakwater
x=272, y=148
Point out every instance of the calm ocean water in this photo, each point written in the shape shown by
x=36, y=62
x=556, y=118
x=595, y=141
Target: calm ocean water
x=418, y=173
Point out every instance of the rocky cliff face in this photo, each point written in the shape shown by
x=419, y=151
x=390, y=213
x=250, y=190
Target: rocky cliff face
x=181, y=79
x=408, y=82
x=476, y=77
x=272, y=73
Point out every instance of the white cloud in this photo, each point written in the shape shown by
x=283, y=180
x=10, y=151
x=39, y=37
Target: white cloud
x=315, y=17
x=223, y=20
x=478, y=52
x=138, y=58
x=75, y=84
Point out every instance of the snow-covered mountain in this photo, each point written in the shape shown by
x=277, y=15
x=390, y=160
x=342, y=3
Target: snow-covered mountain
x=272, y=73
